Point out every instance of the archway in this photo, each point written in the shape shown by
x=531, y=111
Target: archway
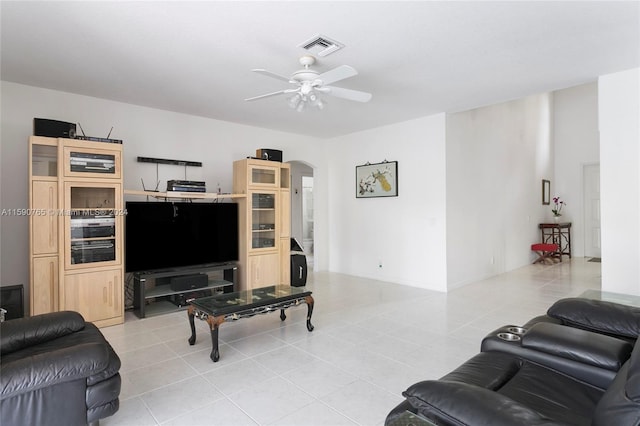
x=302, y=210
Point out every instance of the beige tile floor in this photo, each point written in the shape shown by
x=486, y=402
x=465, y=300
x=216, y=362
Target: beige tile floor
x=371, y=341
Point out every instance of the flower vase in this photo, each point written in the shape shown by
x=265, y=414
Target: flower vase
x=556, y=219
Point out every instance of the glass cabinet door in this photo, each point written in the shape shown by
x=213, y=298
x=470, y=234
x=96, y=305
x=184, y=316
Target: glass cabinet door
x=267, y=176
x=92, y=224
x=91, y=162
x=44, y=160
x=263, y=220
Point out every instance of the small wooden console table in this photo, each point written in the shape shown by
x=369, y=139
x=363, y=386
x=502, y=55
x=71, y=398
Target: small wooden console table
x=557, y=233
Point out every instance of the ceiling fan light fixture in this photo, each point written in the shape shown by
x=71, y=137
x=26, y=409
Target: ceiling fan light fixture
x=300, y=101
x=295, y=100
x=310, y=83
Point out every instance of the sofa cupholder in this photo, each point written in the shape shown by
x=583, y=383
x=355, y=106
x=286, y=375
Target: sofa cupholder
x=517, y=330
x=510, y=337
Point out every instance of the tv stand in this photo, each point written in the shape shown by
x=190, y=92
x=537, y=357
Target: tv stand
x=153, y=293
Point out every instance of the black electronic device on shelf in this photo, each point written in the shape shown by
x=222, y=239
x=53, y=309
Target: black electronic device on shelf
x=94, y=163
x=186, y=186
x=53, y=128
x=165, y=235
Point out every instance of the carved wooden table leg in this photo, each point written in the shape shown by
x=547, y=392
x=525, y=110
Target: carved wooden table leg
x=191, y=312
x=309, y=301
x=214, y=323
x=282, y=315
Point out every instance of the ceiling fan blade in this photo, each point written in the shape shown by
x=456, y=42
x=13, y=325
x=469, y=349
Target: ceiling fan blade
x=352, y=95
x=272, y=74
x=337, y=74
x=267, y=95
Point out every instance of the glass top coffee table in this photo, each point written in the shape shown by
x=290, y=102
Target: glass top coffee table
x=244, y=304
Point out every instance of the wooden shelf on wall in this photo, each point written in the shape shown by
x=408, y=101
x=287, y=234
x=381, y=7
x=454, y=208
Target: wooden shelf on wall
x=189, y=195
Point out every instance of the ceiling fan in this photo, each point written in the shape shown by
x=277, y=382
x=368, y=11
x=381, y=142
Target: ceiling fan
x=309, y=83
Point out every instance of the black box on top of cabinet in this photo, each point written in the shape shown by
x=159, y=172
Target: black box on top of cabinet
x=269, y=154
x=53, y=128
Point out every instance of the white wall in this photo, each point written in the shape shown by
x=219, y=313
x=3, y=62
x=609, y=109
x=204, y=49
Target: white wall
x=619, y=122
x=576, y=144
x=146, y=132
x=463, y=202
x=497, y=157
x=406, y=234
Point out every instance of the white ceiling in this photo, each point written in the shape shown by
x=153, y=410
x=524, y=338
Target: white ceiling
x=416, y=58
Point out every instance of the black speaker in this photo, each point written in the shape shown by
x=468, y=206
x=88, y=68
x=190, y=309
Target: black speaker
x=188, y=282
x=298, y=270
x=269, y=154
x=53, y=128
x=11, y=300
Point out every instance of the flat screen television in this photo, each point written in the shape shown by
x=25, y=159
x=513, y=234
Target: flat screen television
x=167, y=235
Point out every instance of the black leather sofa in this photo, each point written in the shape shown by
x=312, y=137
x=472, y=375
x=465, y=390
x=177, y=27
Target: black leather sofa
x=56, y=369
x=577, y=365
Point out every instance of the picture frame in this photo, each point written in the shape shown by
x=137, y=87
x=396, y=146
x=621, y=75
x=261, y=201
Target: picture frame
x=377, y=180
x=546, y=192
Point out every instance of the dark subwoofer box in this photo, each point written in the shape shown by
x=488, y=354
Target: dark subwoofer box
x=53, y=128
x=188, y=282
x=298, y=270
x=11, y=300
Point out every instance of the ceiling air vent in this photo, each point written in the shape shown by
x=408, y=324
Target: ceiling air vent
x=322, y=45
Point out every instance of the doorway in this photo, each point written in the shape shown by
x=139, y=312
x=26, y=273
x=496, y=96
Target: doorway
x=307, y=218
x=302, y=208
x=592, y=243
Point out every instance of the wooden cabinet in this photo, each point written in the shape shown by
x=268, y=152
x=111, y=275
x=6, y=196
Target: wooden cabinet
x=98, y=296
x=44, y=285
x=285, y=261
x=264, y=220
x=263, y=269
x=285, y=237
x=75, y=224
x=44, y=221
x=44, y=227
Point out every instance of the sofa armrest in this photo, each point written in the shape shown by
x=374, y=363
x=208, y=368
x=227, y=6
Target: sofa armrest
x=465, y=404
x=597, y=315
x=20, y=333
x=583, y=346
x=52, y=367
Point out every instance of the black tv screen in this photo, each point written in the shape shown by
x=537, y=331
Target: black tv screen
x=165, y=235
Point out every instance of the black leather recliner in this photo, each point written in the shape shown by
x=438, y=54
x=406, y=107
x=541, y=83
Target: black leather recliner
x=56, y=369
x=578, y=366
